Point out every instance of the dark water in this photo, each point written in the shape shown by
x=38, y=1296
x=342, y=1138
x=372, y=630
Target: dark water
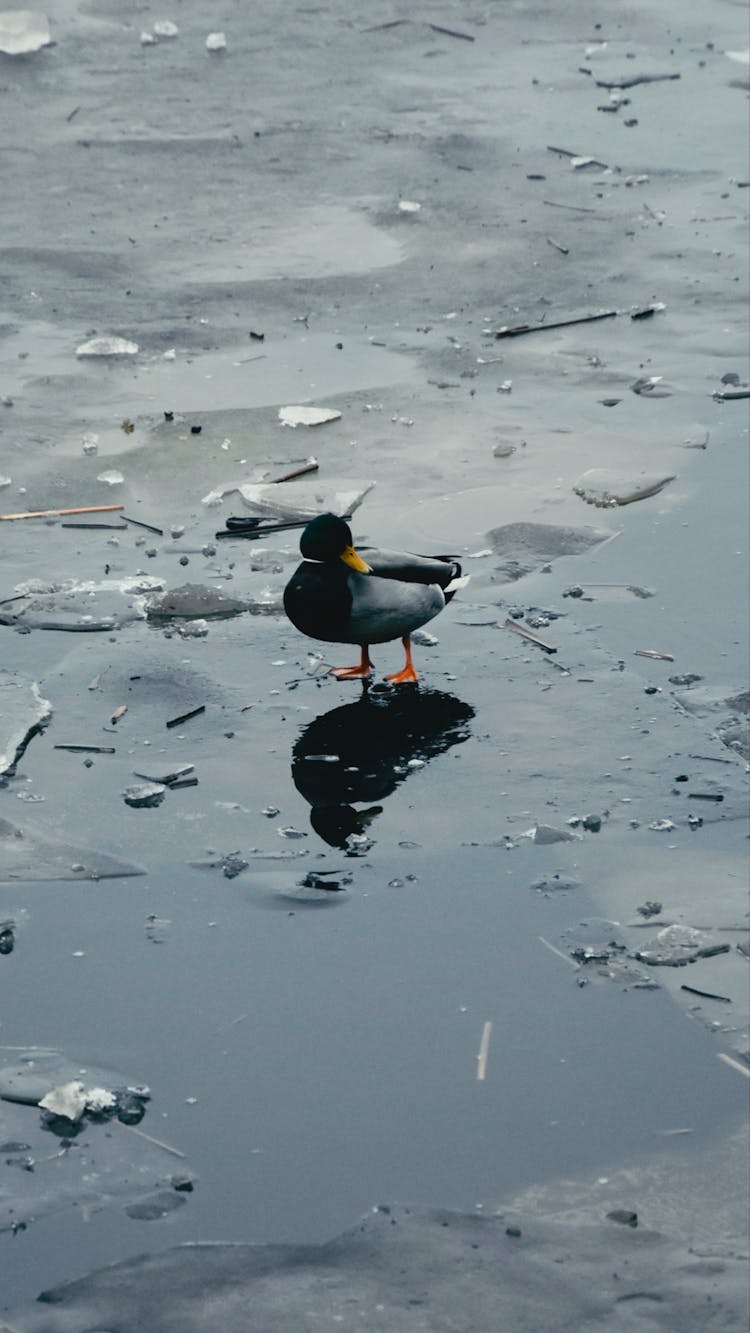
x=331, y=1049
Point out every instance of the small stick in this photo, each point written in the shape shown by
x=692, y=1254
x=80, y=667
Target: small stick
x=518, y=329
x=138, y=523
x=231, y=1024
x=150, y=1139
x=109, y=527
x=118, y=713
x=72, y=114
x=562, y=248
x=527, y=634
x=553, y=949
x=654, y=653
x=607, y=541
x=310, y=466
x=710, y=759
x=86, y=749
x=451, y=32
x=185, y=717
x=729, y=395
x=484, y=1049
x=705, y=796
x=634, y=80
x=568, y=152
x=51, y=513
x=706, y=994
x=734, y=1064
x=572, y=208
x=254, y=534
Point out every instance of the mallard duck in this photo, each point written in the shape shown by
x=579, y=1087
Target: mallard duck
x=343, y=597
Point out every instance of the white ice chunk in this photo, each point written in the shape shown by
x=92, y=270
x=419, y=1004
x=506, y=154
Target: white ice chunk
x=112, y=478
x=22, y=31
x=307, y=416
x=23, y=712
x=108, y=346
x=165, y=28
x=297, y=501
x=99, y=1099
x=216, y=41
x=68, y=1100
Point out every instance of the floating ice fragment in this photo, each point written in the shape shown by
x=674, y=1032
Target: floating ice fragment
x=148, y=39
x=100, y=1099
x=23, y=31
x=303, y=500
x=194, y=601
x=194, y=629
x=112, y=478
x=107, y=346
x=165, y=28
x=68, y=1100
x=5, y=481
x=307, y=416
x=23, y=713
x=90, y=443
x=408, y=206
x=606, y=488
x=544, y=834
x=650, y=386
x=145, y=796
x=739, y=57
x=216, y=41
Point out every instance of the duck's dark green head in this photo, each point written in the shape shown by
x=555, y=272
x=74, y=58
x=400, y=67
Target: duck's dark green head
x=329, y=538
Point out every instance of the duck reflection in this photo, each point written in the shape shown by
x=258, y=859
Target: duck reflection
x=362, y=751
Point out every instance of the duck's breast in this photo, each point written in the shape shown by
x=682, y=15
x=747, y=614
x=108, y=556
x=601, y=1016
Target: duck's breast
x=318, y=602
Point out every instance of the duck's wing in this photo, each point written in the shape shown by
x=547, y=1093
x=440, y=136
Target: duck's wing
x=389, y=607
x=409, y=568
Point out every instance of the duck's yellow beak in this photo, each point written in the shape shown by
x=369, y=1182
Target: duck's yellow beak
x=354, y=561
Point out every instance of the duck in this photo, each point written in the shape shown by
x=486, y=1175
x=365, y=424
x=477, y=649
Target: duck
x=341, y=596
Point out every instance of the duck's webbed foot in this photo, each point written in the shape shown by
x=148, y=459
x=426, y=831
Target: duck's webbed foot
x=360, y=672
x=408, y=674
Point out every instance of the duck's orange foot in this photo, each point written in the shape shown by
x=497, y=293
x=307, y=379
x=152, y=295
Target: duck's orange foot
x=407, y=675
x=352, y=673
x=404, y=677
x=360, y=672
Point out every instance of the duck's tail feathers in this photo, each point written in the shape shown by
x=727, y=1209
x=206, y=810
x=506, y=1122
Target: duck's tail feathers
x=459, y=582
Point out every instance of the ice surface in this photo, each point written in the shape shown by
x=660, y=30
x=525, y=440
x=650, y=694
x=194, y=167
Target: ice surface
x=23, y=712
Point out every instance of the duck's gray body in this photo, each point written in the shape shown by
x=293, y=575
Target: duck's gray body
x=339, y=605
